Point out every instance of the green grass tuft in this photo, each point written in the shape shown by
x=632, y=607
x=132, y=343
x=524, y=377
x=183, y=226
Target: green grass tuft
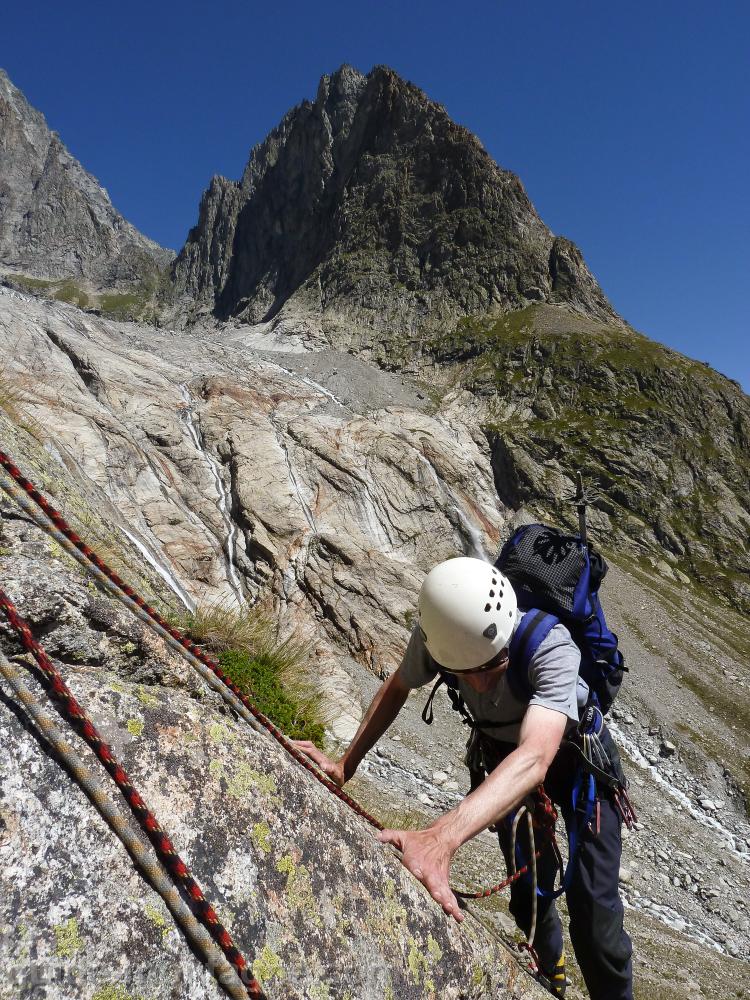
x=221, y=626
x=262, y=679
x=123, y=305
x=273, y=673
x=70, y=292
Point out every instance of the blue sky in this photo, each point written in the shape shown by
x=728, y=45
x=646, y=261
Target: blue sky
x=627, y=123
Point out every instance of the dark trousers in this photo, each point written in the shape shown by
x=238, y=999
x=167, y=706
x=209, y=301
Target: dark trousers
x=601, y=944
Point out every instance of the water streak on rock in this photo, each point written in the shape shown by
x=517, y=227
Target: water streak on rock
x=224, y=499
x=161, y=568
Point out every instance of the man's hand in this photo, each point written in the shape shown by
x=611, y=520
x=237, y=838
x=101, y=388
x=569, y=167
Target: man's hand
x=428, y=858
x=383, y=709
x=333, y=768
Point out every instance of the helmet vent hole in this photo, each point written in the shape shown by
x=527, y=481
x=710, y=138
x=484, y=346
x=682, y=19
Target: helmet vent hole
x=492, y=593
x=487, y=607
x=497, y=608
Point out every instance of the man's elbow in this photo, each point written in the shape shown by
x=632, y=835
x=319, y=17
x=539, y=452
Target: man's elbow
x=540, y=757
x=539, y=766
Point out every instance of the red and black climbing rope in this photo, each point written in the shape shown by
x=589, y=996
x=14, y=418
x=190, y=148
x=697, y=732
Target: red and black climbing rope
x=62, y=525
x=53, y=522
x=73, y=713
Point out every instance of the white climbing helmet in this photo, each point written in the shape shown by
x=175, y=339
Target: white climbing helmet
x=467, y=613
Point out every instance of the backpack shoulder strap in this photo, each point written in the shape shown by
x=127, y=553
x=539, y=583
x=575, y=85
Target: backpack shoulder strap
x=530, y=633
x=457, y=702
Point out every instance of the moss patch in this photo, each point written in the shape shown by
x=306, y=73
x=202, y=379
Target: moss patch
x=134, y=727
x=434, y=949
x=219, y=733
x=260, y=836
x=390, y=921
x=319, y=992
x=477, y=975
x=68, y=939
x=245, y=778
x=111, y=991
x=299, y=892
x=267, y=966
x=158, y=919
x=416, y=962
x=146, y=699
x=260, y=678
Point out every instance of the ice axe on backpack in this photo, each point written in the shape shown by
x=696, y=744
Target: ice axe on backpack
x=582, y=498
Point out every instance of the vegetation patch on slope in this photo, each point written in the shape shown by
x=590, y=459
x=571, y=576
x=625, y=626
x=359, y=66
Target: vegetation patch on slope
x=665, y=437
x=270, y=671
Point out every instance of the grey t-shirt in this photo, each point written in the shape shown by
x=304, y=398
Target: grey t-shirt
x=553, y=677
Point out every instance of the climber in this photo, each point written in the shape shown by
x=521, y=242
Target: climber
x=467, y=616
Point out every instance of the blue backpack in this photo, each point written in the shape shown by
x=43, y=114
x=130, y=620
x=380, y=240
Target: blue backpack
x=556, y=578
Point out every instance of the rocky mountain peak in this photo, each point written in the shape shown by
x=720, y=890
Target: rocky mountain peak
x=56, y=221
x=370, y=209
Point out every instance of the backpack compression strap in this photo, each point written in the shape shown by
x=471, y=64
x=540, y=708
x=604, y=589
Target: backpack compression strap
x=531, y=632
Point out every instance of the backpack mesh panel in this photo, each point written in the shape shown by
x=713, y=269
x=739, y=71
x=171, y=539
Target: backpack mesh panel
x=546, y=562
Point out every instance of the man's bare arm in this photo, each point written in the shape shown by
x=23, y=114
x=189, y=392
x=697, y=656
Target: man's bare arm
x=511, y=781
x=385, y=706
x=428, y=853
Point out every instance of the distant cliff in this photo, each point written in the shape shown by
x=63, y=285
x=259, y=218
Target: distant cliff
x=56, y=221
x=371, y=210
x=370, y=218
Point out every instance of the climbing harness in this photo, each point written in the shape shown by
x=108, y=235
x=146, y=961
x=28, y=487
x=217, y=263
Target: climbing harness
x=141, y=854
x=73, y=713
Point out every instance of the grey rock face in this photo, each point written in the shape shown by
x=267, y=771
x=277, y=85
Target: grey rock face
x=56, y=221
x=247, y=476
x=337, y=513
x=372, y=211
x=318, y=907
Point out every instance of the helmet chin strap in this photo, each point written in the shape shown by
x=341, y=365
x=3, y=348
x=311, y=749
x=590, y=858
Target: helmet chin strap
x=499, y=660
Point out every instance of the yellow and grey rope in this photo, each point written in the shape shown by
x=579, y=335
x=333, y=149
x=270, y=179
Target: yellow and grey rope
x=143, y=856
x=524, y=811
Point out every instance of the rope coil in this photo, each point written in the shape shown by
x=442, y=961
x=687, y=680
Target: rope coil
x=543, y=818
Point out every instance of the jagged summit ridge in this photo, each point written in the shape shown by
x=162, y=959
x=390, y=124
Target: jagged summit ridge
x=369, y=204
x=56, y=220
